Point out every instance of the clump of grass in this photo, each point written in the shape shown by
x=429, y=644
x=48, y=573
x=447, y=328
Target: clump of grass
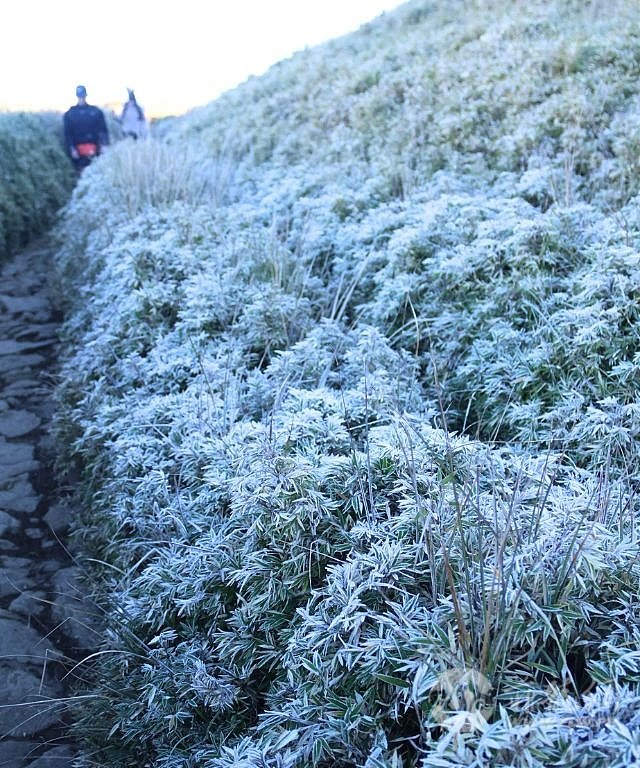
x=152, y=173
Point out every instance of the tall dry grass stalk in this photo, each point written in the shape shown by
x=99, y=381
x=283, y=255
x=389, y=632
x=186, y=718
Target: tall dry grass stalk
x=155, y=174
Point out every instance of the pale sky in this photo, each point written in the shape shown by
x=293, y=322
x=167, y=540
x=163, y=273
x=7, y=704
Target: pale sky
x=176, y=54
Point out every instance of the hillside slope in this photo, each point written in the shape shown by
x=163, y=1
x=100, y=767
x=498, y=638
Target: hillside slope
x=351, y=380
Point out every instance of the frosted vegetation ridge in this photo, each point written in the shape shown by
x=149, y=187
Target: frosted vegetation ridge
x=351, y=381
x=35, y=178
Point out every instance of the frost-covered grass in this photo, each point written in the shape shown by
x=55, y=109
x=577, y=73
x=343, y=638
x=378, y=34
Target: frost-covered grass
x=351, y=387
x=35, y=176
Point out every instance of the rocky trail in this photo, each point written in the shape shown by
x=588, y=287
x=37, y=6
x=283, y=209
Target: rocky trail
x=45, y=624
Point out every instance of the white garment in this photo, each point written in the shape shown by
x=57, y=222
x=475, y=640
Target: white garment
x=133, y=122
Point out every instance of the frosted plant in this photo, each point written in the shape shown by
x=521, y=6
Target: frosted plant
x=35, y=177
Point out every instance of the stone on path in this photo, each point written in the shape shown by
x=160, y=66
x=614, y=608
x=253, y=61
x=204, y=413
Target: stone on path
x=15, y=453
x=12, y=753
x=21, y=387
x=10, y=347
x=49, y=566
x=58, y=757
x=15, y=459
x=20, y=497
x=20, y=643
x=41, y=331
x=17, y=305
x=76, y=614
x=14, y=577
x=29, y=604
x=15, y=363
x=27, y=704
x=12, y=584
x=59, y=518
x=18, y=423
x=8, y=524
x=13, y=347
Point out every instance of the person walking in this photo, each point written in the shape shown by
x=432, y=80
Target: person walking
x=85, y=131
x=133, y=121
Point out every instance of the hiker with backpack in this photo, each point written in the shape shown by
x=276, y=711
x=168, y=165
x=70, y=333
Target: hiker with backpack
x=85, y=131
x=133, y=121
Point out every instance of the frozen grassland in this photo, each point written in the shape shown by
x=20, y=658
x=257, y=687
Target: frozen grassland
x=351, y=385
x=35, y=176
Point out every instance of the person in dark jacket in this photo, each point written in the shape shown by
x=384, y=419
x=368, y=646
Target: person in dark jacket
x=85, y=131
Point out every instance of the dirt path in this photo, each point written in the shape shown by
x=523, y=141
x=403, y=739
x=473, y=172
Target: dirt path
x=43, y=623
